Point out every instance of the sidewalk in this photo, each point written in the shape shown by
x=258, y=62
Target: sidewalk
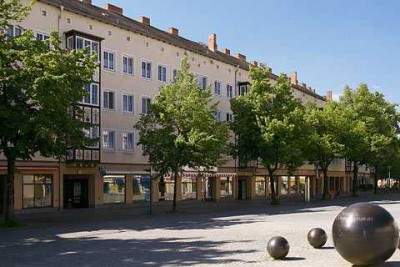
x=164, y=208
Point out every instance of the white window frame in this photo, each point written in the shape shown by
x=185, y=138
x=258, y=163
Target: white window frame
x=229, y=116
x=229, y=91
x=42, y=36
x=202, y=81
x=93, y=95
x=107, y=63
x=125, y=68
x=243, y=89
x=106, y=105
x=217, y=87
x=162, y=73
x=147, y=107
x=146, y=70
x=174, y=75
x=128, y=145
x=92, y=133
x=108, y=140
x=217, y=115
x=125, y=108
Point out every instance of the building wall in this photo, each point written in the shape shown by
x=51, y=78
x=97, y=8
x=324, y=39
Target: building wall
x=45, y=18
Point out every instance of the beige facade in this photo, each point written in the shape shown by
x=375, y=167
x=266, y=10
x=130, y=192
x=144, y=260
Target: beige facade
x=136, y=59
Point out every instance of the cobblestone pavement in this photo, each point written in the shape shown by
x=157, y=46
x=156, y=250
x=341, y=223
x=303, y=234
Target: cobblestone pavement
x=202, y=234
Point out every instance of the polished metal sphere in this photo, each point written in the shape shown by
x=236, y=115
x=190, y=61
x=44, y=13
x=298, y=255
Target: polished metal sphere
x=365, y=234
x=278, y=247
x=317, y=237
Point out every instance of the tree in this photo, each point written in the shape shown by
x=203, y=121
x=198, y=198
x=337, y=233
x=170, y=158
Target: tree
x=270, y=125
x=325, y=143
x=39, y=89
x=371, y=130
x=181, y=130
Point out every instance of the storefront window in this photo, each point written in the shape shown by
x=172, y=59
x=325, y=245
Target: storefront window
x=293, y=185
x=284, y=185
x=113, y=189
x=260, y=186
x=188, y=188
x=37, y=190
x=141, y=188
x=226, y=187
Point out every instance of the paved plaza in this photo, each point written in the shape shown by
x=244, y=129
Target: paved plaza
x=203, y=234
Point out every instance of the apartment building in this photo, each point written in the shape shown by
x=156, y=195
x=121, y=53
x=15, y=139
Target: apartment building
x=135, y=60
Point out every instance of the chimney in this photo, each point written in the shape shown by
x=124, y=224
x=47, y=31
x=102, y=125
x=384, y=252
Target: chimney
x=226, y=51
x=254, y=63
x=293, y=78
x=240, y=56
x=329, y=95
x=304, y=85
x=113, y=8
x=144, y=20
x=173, y=31
x=309, y=88
x=212, y=42
x=88, y=2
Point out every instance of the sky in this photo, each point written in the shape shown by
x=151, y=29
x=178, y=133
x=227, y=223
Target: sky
x=330, y=43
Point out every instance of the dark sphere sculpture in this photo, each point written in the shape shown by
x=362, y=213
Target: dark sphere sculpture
x=278, y=247
x=365, y=234
x=317, y=237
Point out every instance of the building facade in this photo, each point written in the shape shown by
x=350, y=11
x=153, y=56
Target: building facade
x=135, y=60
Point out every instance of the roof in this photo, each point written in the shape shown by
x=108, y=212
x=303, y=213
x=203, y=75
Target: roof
x=134, y=26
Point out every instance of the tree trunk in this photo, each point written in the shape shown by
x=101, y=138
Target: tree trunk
x=175, y=191
x=272, y=184
x=9, y=207
x=355, y=173
x=376, y=180
x=326, y=184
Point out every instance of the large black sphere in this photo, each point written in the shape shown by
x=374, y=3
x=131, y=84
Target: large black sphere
x=317, y=237
x=365, y=234
x=278, y=247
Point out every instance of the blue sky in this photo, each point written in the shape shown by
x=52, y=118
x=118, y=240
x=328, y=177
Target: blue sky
x=329, y=43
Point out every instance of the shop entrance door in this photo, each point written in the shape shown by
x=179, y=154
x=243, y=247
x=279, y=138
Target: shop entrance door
x=76, y=193
x=242, y=189
x=2, y=193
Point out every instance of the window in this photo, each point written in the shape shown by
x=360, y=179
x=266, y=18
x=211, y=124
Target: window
x=174, y=75
x=202, y=82
x=162, y=73
x=92, y=94
x=146, y=103
x=127, y=141
x=37, y=191
x=217, y=115
x=42, y=37
x=83, y=43
x=243, y=90
x=109, y=139
x=113, y=189
x=108, y=60
x=146, y=69
x=14, y=31
x=127, y=65
x=127, y=103
x=229, y=116
x=229, y=91
x=108, y=100
x=93, y=133
x=217, y=87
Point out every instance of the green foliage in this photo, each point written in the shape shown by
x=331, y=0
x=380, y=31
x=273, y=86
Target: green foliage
x=324, y=139
x=180, y=129
x=371, y=134
x=40, y=85
x=270, y=124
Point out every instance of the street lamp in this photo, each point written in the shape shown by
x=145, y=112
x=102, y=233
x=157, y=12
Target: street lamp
x=389, y=167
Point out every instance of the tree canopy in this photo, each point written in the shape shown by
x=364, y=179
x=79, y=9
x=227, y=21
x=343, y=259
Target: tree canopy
x=269, y=123
x=181, y=129
x=40, y=85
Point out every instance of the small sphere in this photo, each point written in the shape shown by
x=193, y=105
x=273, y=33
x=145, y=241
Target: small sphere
x=365, y=234
x=278, y=247
x=317, y=237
